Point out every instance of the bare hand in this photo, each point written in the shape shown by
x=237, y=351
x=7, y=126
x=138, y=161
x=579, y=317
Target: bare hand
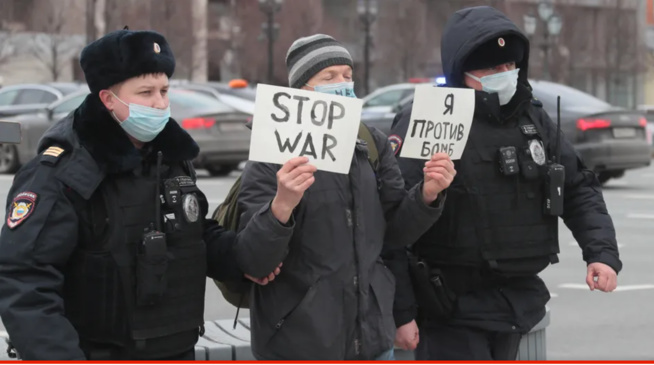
x=439, y=173
x=407, y=336
x=267, y=279
x=293, y=179
x=602, y=277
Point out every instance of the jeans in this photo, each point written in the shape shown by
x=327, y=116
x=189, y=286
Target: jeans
x=386, y=355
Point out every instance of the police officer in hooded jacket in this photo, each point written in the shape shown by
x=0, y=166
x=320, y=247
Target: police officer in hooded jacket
x=482, y=256
x=94, y=263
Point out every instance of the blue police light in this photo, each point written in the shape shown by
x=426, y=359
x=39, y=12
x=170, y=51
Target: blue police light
x=440, y=80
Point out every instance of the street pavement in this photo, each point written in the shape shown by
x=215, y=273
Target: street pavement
x=585, y=325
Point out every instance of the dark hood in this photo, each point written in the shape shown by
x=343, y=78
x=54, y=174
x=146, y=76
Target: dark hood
x=92, y=127
x=469, y=28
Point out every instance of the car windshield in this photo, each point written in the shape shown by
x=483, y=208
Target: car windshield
x=388, y=98
x=69, y=104
x=246, y=93
x=571, y=99
x=183, y=100
x=66, y=88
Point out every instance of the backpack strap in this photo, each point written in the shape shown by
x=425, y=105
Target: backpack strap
x=373, y=152
x=227, y=212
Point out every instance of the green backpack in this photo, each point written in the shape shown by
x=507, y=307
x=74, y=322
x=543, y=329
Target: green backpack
x=237, y=293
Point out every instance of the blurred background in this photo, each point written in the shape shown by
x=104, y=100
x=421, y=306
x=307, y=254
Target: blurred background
x=598, y=46
x=598, y=55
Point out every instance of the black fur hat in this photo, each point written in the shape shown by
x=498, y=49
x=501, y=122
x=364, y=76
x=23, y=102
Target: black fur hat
x=496, y=51
x=123, y=54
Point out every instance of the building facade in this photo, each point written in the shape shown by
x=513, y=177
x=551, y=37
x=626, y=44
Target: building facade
x=602, y=48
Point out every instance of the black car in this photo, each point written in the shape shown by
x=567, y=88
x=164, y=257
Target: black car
x=609, y=139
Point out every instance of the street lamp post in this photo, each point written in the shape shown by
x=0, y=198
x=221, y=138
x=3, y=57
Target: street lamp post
x=270, y=30
x=367, y=10
x=552, y=24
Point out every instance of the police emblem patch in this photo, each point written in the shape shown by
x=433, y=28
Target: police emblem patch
x=191, y=208
x=396, y=142
x=21, y=208
x=537, y=152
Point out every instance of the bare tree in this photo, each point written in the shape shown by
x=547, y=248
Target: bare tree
x=7, y=49
x=198, y=55
x=297, y=18
x=621, y=56
x=401, y=47
x=52, y=48
x=113, y=15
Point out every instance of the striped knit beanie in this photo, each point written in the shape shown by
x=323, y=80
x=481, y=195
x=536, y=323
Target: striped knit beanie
x=309, y=55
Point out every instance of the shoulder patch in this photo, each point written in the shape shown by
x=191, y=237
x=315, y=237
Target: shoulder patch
x=51, y=155
x=396, y=142
x=21, y=208
x=536, y=102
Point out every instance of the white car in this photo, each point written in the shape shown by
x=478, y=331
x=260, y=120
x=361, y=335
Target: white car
x=384, y=99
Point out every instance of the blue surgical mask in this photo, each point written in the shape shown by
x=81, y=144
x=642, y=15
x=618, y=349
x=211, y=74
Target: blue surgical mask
x=503, y=83
x=143, y=123
x=341, y=88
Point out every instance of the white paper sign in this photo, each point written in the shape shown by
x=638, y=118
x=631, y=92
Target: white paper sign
x=440, y=122
x=292, y=122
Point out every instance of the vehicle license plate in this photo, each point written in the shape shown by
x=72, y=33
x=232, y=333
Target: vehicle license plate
x=232, y=127
x=624, y=132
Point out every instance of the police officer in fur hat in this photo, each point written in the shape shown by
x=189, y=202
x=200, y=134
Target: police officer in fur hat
x=499, y=227
x=105, y=250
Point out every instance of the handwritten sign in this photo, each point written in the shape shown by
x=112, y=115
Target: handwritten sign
x=440, y=122
x=293, y=122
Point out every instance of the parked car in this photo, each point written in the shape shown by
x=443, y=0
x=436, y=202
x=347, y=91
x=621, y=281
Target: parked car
x=27, y=98
x=382, y=119
x=236, y=94
x=609, y=139
x=384, y=99
x=648, y=110
x=218, y=129
x=33, y=126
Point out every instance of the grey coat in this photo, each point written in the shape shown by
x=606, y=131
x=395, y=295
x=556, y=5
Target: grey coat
x=333, y=299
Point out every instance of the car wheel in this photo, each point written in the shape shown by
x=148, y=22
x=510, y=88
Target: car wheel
x=8, y=159
x=221, y=170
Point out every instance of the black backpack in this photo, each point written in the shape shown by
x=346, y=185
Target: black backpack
x=237, y=293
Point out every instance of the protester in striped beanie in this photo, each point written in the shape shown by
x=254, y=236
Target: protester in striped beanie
x=320, y=63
